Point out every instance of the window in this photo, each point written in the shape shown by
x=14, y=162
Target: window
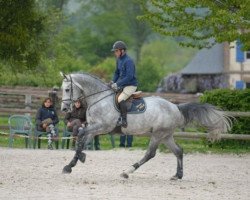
x=247, y=84
x=248, y=55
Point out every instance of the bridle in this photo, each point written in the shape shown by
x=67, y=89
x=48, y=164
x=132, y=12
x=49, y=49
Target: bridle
x=82, y=97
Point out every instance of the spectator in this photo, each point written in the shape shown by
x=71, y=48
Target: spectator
x=76, y=119
x=124, y=139
x=46, y=119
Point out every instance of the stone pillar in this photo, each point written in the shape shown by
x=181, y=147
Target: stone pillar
x=53, y=95
x=27, y=102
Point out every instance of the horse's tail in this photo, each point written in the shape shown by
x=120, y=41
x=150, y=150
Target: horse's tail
x=206, y=115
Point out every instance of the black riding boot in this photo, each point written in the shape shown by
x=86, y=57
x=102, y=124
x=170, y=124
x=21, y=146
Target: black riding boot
x=122, y=121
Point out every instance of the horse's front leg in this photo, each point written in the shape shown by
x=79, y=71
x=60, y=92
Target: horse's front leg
x=85, y=135
x=78, y=154
x=84, y=139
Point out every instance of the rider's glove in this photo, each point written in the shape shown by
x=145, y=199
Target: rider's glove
x=110, y=83
x=114, y=87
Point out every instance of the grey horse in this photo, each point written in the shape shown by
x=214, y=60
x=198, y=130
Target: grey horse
x=158, y=122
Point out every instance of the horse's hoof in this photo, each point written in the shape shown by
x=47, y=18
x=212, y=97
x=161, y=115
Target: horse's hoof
x=82, y=157
x=67, y=170
x=124, y=175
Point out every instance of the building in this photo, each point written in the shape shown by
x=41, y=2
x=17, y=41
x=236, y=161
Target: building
x=237, y=66
x=222, y=66
x=206, y=70
x=226, y=62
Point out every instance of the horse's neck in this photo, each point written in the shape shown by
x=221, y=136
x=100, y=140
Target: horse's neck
x=94, y=89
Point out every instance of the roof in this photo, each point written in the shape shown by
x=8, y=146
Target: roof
x=206, y=61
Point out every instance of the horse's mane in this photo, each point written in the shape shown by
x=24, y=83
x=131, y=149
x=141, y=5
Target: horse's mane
x=93, y=76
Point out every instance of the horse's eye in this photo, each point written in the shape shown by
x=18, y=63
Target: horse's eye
x=66, y=90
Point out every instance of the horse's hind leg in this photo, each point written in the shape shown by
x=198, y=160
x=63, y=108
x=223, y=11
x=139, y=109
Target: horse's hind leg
x=178, y=152
x=151, y=151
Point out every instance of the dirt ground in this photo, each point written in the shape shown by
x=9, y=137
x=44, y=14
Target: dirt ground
x=36, y=174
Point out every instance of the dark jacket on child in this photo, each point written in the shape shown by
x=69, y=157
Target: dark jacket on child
x=76, y=113
x=45, y=113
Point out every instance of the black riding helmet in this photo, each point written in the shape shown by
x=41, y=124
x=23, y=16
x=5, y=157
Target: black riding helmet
x=119, y=45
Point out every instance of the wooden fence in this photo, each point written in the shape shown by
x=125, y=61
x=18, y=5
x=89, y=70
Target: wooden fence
x=197, y=135
x=23, y=97
x=23, y=100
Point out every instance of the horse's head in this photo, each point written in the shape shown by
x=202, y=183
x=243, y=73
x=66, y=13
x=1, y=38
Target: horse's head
x=71, y=91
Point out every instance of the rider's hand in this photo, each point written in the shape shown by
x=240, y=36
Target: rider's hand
x=114, y=87
x=110, y=83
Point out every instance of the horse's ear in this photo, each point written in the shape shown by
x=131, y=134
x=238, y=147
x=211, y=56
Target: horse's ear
x=63, y=75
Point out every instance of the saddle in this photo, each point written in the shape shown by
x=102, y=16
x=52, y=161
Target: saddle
x=135, y=103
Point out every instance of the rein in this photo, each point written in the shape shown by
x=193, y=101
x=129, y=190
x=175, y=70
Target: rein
x=85, y=97
x=100, y=99
x=82, y=96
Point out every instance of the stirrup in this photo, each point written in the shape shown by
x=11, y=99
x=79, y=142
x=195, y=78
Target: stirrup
x=122, y=122
x=119, y=121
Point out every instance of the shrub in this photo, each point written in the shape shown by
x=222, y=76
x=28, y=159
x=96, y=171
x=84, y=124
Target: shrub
x=149, y=75
x=231, y=100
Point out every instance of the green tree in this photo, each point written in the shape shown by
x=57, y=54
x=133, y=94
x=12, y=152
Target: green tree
x=200, y=23
x=108, y=21
x=138, y=30
x=169, y=55
x=149, y=74
x=58, y=4
x=105, y=69
x=21, y=26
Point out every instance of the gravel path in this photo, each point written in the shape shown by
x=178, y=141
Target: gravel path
x=36, y=174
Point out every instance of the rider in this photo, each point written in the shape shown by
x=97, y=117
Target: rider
x=124, y=79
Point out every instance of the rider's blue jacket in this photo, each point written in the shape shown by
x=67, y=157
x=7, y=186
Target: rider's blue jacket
x=125, y=73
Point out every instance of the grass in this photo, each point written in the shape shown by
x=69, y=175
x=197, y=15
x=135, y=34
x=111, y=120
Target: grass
x=142, y=143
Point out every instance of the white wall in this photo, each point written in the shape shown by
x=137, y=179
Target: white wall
x=235, y=67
